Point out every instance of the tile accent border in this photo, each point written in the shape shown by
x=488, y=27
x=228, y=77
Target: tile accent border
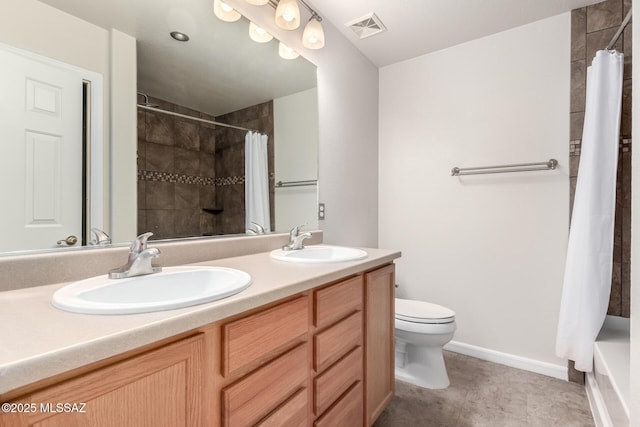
x=575, y=147
x=155, y=176
x=144, y=175
x=228, y=180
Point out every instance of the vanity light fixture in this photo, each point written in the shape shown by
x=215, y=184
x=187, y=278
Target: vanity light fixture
x=313, y=36
x=288, y=14
x=286, y=52
x=259, y=34
x=181, y=37
x=287, y=17
x=224, y=12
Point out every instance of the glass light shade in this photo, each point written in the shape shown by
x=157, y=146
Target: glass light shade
x=258, y=2
x=286, y=52
x=288, y=15
x=224, y=12
x=259, y=34
x=313, y=36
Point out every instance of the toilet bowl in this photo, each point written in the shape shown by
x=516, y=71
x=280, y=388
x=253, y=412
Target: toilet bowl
x=421, y=330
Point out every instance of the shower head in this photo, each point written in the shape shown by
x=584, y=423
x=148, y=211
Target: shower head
x=146, y=102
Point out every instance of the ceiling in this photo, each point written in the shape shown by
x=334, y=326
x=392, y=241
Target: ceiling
x=219, y=70
x=204, y=74
x=417, y=27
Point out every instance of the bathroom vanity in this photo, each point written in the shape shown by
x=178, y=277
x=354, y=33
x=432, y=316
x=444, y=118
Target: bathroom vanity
x=303, y=345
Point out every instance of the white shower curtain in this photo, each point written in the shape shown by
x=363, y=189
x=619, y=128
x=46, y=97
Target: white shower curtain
x=256, y=186
x=587, y=278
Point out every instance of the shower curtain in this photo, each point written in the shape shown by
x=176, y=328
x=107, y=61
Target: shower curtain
x=256, y=186
x=587, y=277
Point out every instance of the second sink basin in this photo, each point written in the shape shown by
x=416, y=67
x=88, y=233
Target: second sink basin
x=174, y=287
x=319, y=254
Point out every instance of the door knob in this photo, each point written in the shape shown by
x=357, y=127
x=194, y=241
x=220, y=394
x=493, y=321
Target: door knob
x=69, y=241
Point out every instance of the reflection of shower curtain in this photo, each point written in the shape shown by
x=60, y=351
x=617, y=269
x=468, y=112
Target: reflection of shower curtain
x=256, y=186
x=587, y=279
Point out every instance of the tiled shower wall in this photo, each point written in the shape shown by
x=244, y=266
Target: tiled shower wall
x=229, y=163
x=191, y=174
x=592, y=28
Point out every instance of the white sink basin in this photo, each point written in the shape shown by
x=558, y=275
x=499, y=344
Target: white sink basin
x=319, y=254
x=174, y=287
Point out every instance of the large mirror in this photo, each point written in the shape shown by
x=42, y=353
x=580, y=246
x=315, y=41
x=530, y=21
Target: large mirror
x=190, y=166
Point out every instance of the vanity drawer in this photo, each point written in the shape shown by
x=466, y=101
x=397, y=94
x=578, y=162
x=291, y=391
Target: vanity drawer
x=348, y=411
x=248, y=339
x=292, y=413
x=253, y=397
x=337, y=301
x=333, y=343
x=337, y=379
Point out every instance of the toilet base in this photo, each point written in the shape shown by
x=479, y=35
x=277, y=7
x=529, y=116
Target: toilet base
x=423, y=366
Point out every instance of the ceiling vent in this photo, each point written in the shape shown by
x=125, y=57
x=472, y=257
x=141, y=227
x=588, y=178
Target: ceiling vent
x=366, y=26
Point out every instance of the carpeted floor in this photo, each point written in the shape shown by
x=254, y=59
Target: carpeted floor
x=488, y=394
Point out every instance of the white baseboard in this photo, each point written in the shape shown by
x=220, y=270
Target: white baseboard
x=596, y=401
x=532, y=365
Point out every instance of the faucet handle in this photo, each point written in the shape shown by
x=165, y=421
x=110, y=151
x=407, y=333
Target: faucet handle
x=257, y=229
x=100, y=238
x=295, y=231
x=139, y=244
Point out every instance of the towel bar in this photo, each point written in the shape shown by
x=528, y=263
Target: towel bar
x=518, y=167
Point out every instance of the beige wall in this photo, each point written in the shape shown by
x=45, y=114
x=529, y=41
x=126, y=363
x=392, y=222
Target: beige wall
x=124, y=196
x=490, y=247
x=348, y=117
x=296, y=159
x=42, y=29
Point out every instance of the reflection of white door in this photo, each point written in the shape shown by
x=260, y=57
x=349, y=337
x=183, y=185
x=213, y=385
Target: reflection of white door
x=40, y=153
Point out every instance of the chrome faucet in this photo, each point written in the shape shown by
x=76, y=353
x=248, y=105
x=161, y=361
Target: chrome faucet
x=139, y=262
x=100, y=238
x=256, y=229
x=296, y=239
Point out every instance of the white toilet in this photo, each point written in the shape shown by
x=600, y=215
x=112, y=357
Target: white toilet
x=422, y=329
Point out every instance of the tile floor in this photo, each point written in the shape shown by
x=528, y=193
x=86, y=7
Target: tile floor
x=487, y=394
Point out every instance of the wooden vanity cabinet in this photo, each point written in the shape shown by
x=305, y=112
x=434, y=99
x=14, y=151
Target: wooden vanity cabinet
x=338, y=354
x=379, y=290
x=265, y=366
x=163, y=387
x=320, y=358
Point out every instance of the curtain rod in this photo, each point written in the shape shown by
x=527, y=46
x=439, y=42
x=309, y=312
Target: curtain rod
x=615, y=38
x=197, y=119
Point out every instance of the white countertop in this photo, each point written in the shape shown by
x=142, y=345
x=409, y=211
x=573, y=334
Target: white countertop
x=39, y=341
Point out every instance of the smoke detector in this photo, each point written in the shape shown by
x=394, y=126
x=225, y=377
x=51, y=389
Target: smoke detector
x=366, y=26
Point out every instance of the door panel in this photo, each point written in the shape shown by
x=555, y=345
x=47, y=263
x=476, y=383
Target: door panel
x=40, y=152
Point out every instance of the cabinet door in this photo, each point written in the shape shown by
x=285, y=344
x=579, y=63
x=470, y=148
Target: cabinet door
x=247, y=340
x=347, y=411
x=163, y=387
x=379, y=345
x=247, y=401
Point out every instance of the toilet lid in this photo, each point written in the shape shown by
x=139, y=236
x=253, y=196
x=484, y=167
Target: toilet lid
x=423, y=312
